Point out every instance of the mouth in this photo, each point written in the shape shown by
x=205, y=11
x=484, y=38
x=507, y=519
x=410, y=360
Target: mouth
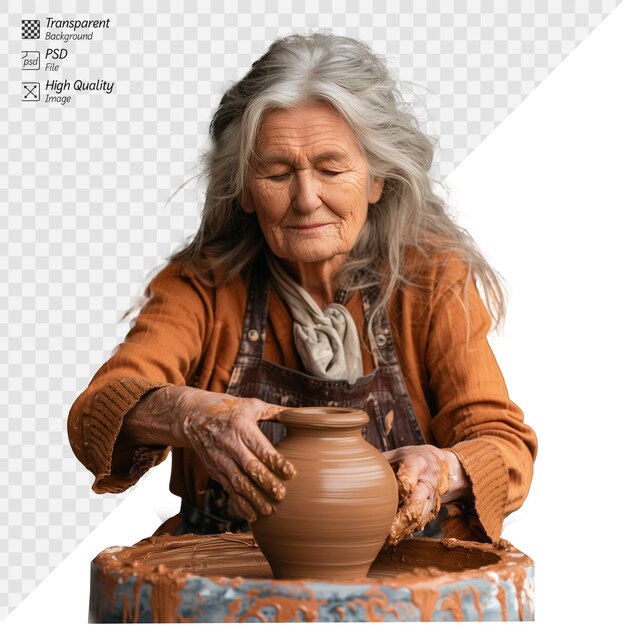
x=307, y=227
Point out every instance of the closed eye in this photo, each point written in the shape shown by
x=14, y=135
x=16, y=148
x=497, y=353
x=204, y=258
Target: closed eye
x=285, y=175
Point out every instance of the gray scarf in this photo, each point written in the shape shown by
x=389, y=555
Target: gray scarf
x=327, y=340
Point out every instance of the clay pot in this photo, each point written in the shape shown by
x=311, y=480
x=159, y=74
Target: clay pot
x=338, y=508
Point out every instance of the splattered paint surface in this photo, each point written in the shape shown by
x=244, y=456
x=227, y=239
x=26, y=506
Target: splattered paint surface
x=225, y=578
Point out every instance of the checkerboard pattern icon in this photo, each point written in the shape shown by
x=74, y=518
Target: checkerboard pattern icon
x=30, y=29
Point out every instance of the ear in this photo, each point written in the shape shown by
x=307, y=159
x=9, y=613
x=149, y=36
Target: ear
x=375, y=190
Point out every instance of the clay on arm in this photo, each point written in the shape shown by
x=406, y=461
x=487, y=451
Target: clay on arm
x=459, y=484
x=474, y=417
x=163, y=347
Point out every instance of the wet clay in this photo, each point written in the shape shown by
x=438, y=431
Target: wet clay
x=340, y=505
x=223, y=431
x=225, y=578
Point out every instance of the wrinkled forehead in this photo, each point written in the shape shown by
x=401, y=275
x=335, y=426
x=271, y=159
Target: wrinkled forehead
x=316, y=129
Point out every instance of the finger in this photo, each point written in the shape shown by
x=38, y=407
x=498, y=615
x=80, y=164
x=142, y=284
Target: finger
x=240, y=506
x=265, y=452
x=426, y=497
x=241, y=450
x=242, y=487
x=245, y=488
x=419, y=510
x=270, y=411
x=227, y=461
x=406, y=521
x=393, y=456
x=264, y=478
x=407, y=481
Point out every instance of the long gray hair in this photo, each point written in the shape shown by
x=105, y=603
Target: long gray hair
x=346, y=74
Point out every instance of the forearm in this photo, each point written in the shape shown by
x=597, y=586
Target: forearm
x=158, y=418
x=155, y=421
x=152, y=421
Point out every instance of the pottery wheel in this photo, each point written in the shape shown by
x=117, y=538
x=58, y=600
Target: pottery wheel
x=225, y=578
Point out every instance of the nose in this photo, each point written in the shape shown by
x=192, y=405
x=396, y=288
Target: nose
x=306, y=191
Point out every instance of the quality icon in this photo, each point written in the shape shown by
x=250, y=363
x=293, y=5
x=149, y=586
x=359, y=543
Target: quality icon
x=30, y=92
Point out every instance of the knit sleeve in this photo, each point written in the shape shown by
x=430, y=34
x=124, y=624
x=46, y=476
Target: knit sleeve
x=163, y=347
x=474, y=416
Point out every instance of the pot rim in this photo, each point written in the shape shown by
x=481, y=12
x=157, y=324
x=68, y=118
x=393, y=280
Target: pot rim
x=323, y=416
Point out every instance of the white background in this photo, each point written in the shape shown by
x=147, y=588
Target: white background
x=543, y=196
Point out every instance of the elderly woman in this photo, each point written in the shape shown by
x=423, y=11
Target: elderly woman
x=325, y=271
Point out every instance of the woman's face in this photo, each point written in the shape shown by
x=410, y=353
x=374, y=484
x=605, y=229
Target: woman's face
x=309, y=184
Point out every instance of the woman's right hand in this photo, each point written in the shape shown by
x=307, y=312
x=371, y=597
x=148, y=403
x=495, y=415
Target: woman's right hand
x=223, y=431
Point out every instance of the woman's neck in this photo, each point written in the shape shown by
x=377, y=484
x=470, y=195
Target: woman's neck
x=316, y=278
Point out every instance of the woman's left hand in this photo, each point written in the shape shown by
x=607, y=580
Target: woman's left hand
x=427, y=476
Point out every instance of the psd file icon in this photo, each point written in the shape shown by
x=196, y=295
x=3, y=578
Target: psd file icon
x=30, y=92
x=30, y=29
x=30, y=60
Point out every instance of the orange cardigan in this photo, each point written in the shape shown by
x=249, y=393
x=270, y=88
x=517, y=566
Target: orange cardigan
x=187, y=334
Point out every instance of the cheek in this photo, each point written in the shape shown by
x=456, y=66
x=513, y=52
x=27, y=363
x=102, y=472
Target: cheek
x=358, y=222
x=268, y=202
x=342, y=195
x=352, y=201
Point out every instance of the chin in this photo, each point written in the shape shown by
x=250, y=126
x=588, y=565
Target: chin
x=313, y=256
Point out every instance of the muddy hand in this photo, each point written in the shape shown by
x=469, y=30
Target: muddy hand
x=223, y=430
x=422, y=475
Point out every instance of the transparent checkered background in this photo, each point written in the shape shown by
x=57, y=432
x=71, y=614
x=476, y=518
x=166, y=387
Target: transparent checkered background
x=86, y=206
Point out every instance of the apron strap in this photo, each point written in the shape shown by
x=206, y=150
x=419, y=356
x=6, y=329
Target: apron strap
x=253, y=340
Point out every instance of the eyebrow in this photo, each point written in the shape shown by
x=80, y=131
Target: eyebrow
x=329, y=155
